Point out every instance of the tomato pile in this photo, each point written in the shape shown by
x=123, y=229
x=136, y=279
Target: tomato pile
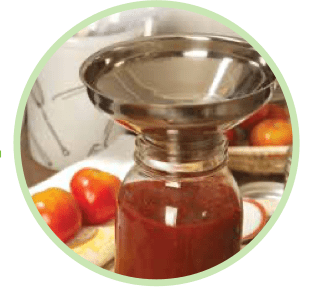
x=269, y=126
x=91, y=201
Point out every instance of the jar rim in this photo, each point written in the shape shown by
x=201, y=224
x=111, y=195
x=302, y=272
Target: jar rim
x=182, y=158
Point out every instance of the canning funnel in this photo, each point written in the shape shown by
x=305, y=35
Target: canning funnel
x=178, y=84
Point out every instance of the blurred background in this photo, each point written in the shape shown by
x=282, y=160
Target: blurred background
x=61, y=126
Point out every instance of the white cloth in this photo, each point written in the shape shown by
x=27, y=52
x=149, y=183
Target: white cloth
x=117, y=159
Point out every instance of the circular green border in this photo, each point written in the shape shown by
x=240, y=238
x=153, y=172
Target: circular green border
x=58, y=44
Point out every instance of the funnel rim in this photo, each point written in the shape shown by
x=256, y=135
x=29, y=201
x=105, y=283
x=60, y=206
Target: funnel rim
x=240, y=42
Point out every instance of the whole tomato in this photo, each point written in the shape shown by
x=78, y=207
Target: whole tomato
x=255, y=118
x=271, y=132
x=96, y=193
x=278, y=112
x=60, y=211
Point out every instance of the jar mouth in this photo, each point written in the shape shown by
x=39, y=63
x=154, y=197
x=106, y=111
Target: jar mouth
x=182, y=157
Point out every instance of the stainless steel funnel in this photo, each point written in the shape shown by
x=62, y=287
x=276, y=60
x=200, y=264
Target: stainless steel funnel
x=179, y=83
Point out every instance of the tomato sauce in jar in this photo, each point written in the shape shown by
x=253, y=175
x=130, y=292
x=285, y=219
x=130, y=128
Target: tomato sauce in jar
x=169, y=230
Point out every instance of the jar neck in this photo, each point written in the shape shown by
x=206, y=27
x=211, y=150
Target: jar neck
x=182, y=155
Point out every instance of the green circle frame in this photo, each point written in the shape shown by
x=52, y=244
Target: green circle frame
x=56, y=46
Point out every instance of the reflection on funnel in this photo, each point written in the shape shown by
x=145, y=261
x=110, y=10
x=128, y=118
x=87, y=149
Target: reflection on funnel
x=196, y=54
x=218, y=78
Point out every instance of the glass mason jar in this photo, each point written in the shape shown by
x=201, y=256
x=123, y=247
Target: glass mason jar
x=180, y=211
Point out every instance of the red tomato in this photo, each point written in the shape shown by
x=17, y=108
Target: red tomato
x=271, y=132
x=96, y=193
x=60, y=211
x=278, y=112
x=258, y=116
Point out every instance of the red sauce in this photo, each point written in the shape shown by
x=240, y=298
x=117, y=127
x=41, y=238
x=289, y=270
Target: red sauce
x=167, y=232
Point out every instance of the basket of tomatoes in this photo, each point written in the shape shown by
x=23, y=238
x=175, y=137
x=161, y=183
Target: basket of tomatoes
x=260, y=144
